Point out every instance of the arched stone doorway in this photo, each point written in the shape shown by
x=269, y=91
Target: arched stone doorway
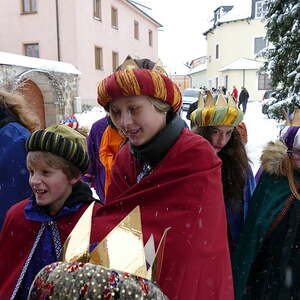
x=44, y=88
x=34, y=97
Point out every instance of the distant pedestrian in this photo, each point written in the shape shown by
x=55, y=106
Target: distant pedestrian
x=224, y=90
x=243, y=99
x=235, y=94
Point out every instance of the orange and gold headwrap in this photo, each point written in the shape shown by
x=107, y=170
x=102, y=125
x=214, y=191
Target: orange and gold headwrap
x=139, y=82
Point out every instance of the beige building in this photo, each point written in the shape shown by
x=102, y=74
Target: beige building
x=93, y=35
x=182, y=81
x=235, y=38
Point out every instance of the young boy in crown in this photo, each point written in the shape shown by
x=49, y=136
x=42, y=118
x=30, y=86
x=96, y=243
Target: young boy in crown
x=266, y=262
x=36, y=228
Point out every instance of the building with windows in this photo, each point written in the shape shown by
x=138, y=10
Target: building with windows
x=234, y=40
x=93, y=35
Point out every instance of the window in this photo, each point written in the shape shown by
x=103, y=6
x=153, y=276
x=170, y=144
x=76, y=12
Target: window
x=114, y=17
x=259, y=44
x=260, y=9
x=136, y=30
x=217, y=82
x=98, y=58
x=97, y=9
x=217, y=51
x=115, y=60
x=31, y=50
x=226, y=81
x=29, y=6
x=150, y=38
x=264, y=82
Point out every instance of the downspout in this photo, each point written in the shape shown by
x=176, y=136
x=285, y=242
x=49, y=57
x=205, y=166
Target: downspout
x=57, y=31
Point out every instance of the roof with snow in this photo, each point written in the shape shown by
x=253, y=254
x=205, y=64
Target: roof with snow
x=243, y=64
x=145, y=10
x=198, y=69
x=37, y=63
x=241, y=10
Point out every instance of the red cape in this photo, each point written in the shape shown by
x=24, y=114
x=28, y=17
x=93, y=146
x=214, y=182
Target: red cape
x=183, y=192
x=16, y=240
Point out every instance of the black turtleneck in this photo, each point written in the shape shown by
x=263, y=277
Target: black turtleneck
x=155, y=150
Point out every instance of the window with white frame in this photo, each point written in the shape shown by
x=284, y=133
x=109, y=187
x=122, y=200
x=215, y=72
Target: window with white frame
x=98, y=58
x=259, y=44
x=29, y=6
x=32, y=50
x=260, y=9
x=226, y=81
x=114, y=17
x=97, y=9
x=136, y=30
x=264, y=82
x=115, y=60
x=150, y=38
x=217, y=51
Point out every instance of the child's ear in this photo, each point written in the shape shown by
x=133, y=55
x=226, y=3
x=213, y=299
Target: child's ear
x=75, y=179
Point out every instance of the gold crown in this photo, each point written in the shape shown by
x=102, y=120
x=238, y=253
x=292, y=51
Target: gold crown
x=129, y=64
x=209, y=102
x=122, y=249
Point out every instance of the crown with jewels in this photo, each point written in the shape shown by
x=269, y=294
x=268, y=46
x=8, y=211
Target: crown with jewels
x=134, y=258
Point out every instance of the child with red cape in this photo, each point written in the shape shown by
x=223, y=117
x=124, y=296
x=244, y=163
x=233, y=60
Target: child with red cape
x=174, y=176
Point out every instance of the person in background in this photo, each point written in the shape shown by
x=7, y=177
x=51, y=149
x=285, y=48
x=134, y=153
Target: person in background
x=111, y=142
x=266, y=262
x=218, y=124
x=17, y=119
x=235, y=94
x=72, y=122
x=173, y=175
x=224, y=90
x=95, y=175
x=243, y=99
x=35, y=229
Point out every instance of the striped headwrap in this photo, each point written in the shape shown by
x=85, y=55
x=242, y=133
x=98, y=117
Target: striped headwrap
x=63, y=141
x=217, y=116
x=139, y=82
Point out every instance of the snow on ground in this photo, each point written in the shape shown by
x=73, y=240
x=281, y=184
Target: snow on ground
x=261, y=130
x=86, y=119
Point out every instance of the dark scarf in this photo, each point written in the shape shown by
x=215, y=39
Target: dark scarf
x=155, y=150
x=81, y=193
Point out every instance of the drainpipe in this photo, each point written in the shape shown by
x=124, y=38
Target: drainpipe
x=57, y=31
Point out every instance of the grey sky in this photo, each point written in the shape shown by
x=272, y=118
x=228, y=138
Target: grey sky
x=184, y=23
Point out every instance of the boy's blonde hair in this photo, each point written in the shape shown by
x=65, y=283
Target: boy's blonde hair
x=53, y=161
